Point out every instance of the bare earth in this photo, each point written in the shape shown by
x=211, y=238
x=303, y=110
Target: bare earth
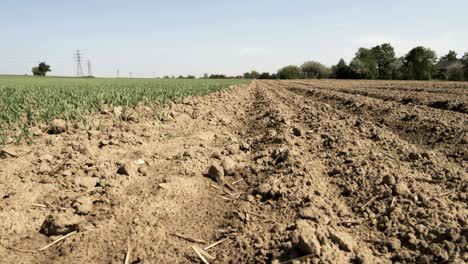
x=316, y=171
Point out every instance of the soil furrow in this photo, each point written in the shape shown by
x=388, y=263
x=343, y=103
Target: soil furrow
x=276, y=171
x=439, y=130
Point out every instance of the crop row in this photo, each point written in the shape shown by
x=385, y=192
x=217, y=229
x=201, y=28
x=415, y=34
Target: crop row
x=27, y=101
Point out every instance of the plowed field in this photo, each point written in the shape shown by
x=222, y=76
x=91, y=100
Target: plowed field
x=275, y=171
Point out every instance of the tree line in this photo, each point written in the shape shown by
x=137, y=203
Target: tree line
x=379, y=62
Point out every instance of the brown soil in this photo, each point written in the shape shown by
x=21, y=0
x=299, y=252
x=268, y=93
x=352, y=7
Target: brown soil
x=326, y=176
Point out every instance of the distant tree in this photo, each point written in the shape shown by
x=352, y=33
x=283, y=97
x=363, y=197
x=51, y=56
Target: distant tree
x=41, y=69
x=341, y=71
x=205, y=76
x=384, y=55
x=290, y=72
x=455, y=74
x=217, y=76
x=396, y=68
x=255, y=74
x=419, y=64
x=251, y=75
x=315, y=70
x=364, y=65
x=360, y=70
x=465, y=65
x=264, y=75
x=36, y=72
x=451, y=56
x=180, y=77
x=191, y=77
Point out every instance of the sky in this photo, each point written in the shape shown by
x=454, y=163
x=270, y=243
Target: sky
x=157, y=38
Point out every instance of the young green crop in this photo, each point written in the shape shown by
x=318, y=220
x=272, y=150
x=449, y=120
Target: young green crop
x=27, y=101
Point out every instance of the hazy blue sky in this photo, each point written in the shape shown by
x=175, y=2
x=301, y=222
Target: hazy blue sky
x=193, y=37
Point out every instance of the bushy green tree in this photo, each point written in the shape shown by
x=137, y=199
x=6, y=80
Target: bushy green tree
x=341, y=70
x=254, y=74
x=290, y=72
x=315, y=70
x=384, y=56
x=36, y=72
x=251, y=75
x=265, y=75
x=419, y=64
x=451, y=56
x=396, y=68
x=364, y=64
x=41, y=69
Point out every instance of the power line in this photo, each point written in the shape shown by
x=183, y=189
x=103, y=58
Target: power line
x=79, y=68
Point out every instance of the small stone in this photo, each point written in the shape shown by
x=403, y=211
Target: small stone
x=57, y=126
x=297, y=131
x=67, y=173
x=216, y=173
x=344, y=240
x=143, y=171
x=228, y=166
x=401, y=188
x=83, y=205
x=60, y=224
x=263, y=189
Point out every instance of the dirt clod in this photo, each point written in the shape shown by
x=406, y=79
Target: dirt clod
x=343, y=239
x=228, y=165
x=308, y=242
x=83, y=205
x=216, y=173
x=60, y=224
x=86, y=182
x=57, y=126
